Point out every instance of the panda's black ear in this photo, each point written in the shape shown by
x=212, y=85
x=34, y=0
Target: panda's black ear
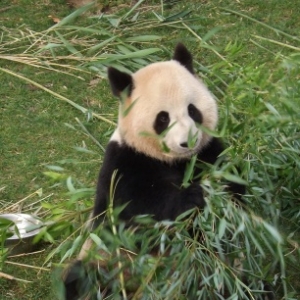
x=184, y=57
x=119, y=81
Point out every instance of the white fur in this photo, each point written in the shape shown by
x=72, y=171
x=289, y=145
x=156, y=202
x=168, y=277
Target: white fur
x=166, y=86
x=116, y=137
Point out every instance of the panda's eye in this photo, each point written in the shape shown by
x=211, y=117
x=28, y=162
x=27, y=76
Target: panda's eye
x=195, y=114
x=191, y=110
x=161, y=122
x=164, y=118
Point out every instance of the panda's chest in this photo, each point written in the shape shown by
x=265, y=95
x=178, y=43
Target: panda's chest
x=173, y=174
x=151, y=181
x=136, y=166
x=149, y=187
x=153, y=173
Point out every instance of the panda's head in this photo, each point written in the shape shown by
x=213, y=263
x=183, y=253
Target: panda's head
x=161, y=108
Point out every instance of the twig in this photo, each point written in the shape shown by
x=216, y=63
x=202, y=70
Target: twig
x=27, y=266
x=204, y=43
x=79, y=107
x=10, y=277
x=26, y=254
x=38, y=192
x=38, y=201
x=276, y=42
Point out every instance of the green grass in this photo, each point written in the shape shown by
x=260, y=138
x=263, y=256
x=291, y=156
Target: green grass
x=255, y=80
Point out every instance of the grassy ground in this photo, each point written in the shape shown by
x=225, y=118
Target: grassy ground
x=240, y=49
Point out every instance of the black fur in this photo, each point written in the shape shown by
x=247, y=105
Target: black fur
x=183, y=56
x=75, y=275
x=195, y=114
x=119, y=81
x=81, y=281
x=148, y=185
x=161, y=122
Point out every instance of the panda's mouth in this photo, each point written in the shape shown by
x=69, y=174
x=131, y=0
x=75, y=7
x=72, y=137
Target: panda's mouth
x=182, y=146
x=179, y=156
x=186, y=152
x=180, y=152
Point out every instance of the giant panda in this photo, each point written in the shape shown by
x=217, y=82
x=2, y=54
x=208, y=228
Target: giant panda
x=163, y=110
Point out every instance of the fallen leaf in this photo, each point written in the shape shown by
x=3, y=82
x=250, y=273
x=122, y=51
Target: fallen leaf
x=32, y=87
x=54, y=19
x=94, y=82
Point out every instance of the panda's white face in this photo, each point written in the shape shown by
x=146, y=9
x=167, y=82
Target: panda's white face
x=161, y=117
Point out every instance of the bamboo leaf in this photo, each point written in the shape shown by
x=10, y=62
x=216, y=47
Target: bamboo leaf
x=273, y=231
x=210, y=34
x=55, y=168
x=189, y=170
x=177, y=16
x=68, y=45
x=70, y=18
x=143, y=38
x=137, y=54
x=128, y=109
x=132, y=9
x=115, y=22
x=234, y=178
x=84, y=150
x=70, y=185
x=208, y=131
x=100, y=45
x=99, y=242
x=72, y=250
x=272, y=109
x=222, y=227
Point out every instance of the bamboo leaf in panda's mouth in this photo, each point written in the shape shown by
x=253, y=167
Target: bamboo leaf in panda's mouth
x=164, y=133
x=192, y=139
x=147, y=134
x=158, y=136
x=165, y=148
x=163, y=144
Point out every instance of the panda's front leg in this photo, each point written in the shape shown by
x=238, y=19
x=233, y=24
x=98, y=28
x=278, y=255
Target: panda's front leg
x=192, y=197
x=189, y=198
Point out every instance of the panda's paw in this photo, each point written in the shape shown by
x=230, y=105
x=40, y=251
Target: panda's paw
x=269, y=292
x=80, y=281
x=192, y=197
x=72, y=277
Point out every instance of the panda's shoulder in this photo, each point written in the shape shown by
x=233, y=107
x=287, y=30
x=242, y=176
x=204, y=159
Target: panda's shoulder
x=134, y=164
x=125, y=157
x=211, y=151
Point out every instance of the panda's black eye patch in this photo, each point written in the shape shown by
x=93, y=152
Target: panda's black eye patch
x=161, y=122
x=195, y=113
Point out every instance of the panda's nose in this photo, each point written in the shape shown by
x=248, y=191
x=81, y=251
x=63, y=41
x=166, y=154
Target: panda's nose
x=184, y=145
